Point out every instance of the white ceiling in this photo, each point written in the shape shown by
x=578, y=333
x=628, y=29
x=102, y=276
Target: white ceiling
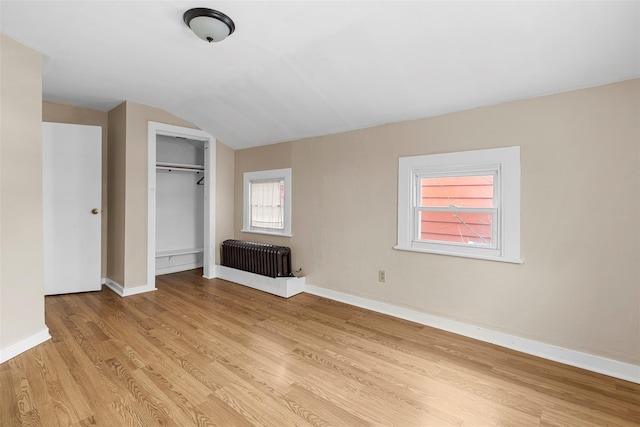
x=296, y=69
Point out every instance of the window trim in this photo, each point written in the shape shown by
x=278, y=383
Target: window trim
x=273, y=174
x=506, y=163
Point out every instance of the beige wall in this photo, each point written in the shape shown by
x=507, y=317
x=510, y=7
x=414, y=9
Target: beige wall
x=579, y=286
x=224, y=195
x=62, y=113
x=116, y=181
x=21, y=235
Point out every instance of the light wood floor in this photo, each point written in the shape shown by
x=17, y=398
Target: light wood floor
x=200, y=352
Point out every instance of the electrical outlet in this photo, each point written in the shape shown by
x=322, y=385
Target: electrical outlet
x=381, y=276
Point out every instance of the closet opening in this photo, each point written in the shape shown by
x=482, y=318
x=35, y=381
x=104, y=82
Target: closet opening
x=181, y=207
x=179, y=204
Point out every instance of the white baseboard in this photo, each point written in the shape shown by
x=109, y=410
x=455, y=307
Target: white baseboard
x=281, y=286
x=24, y=345
x=125, y=292
x=103, y=281
x=602, y=365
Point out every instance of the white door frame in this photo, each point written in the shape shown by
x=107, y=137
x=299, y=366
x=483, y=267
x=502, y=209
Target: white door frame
x=208, y=259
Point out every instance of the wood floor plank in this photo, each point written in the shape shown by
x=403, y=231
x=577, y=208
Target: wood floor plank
x=324, y=411
x=201, y=352
x=570, y=415
x=222, y=415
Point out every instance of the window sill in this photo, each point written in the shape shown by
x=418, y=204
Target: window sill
x=461, y=255
x=270, y=233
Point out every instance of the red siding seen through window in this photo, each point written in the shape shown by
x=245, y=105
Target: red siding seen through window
x=457, y=226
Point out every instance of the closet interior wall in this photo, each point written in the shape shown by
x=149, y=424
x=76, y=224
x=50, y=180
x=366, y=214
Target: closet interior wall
x=179, y=204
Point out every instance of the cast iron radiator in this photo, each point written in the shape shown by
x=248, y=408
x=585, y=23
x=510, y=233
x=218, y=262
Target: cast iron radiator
x=260, y=258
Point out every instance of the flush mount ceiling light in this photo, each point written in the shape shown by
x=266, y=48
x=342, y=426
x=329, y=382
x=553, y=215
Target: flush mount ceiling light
x=208, y=24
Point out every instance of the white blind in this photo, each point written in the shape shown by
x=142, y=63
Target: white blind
x=267, y=204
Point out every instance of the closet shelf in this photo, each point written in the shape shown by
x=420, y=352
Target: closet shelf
x=175, y=252
x=179, y=167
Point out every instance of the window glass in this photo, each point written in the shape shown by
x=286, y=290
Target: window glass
x=465, y=228
x=460, y=191
x=457, y=209
x=267, y=204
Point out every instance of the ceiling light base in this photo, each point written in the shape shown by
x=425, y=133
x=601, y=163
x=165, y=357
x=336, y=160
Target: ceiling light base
x=208, y=24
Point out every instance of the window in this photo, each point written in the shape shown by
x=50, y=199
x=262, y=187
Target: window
x=463, y=204
x=267, y=202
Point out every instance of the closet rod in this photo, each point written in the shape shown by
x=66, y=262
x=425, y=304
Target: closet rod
x=179, y=165
x=178, y=169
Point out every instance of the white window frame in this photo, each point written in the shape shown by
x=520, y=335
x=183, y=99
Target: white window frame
x=274, y=174
x=503, y=163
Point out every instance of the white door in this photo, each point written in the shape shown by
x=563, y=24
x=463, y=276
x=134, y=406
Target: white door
x=71, y=166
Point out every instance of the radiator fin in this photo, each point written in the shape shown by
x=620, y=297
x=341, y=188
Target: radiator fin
x=259, y=258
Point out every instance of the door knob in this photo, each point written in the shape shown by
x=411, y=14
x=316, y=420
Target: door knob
x=95, y=211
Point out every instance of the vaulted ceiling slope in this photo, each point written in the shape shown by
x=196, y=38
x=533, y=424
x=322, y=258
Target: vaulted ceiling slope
x=295, y=69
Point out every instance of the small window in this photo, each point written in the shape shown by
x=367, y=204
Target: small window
x=464, y=204
x=267, y=202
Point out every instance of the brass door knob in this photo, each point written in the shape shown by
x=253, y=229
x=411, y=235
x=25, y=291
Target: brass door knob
x=95, y=211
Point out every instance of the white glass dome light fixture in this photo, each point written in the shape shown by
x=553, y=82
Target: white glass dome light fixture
x=208, y=24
